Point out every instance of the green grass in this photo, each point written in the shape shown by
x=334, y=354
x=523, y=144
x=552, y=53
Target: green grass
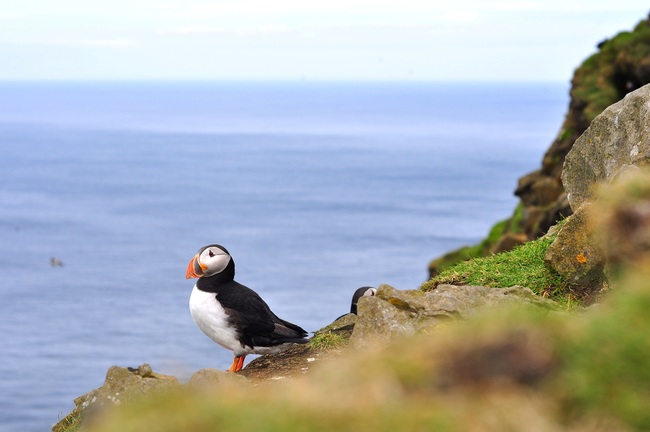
x=522, y=266
x=328, y=340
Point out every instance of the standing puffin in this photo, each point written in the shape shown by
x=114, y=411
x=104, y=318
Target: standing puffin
x=233, y=315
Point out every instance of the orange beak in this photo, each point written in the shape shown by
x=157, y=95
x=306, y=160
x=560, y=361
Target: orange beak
x=194, y=269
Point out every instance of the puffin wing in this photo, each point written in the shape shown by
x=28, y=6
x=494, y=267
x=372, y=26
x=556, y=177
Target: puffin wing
x=257, y=324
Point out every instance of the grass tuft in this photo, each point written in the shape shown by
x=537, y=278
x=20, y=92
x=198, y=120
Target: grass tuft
x=328, y=340
x=523, y=266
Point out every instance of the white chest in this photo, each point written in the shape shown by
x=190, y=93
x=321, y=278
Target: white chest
x=211, y=318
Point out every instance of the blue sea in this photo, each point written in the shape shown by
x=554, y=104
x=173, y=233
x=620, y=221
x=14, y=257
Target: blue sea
x=315, y=188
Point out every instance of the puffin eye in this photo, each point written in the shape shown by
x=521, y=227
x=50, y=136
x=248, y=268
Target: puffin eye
x=211, y=254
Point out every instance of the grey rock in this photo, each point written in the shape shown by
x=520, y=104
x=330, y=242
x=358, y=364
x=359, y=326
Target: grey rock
x=576, y=253
x=122, y=384
x=394, y=313
x=618, y=140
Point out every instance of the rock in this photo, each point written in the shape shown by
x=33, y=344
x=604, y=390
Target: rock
x=617, y=140
x=537, y=189
x=576, y=254
x=292, y=361
x=394, y=313
x=209, y=378
x=121, y=385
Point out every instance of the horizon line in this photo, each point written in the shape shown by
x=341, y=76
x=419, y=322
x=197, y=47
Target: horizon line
x=273, y=81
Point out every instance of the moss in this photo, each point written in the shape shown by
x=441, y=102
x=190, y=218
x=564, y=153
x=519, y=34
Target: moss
x=523, y=266
x=398, y=303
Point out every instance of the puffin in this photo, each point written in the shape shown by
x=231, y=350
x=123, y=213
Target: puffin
x=233, y=315
x=365, y=291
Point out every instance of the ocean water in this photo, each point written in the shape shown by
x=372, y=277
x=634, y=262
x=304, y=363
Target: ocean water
x=316, y=189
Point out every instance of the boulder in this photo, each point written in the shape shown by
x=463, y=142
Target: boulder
x=618, y=140
x=394, y=313
x=576, y=253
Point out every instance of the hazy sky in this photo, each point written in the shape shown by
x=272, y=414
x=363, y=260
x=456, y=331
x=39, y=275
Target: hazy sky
x=302, y=39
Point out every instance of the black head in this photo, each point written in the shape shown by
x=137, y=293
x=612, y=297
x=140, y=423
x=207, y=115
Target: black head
x=361, y=292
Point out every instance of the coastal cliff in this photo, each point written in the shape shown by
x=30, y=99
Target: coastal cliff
x=621, y=65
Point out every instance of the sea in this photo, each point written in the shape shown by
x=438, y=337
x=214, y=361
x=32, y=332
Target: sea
x=108, y=189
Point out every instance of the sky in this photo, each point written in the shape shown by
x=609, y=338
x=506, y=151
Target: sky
x=441, y=40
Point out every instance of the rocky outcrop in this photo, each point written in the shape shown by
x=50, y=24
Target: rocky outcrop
x=393, y=313
x=576, y=253
x=621, y=65
x=616, y=141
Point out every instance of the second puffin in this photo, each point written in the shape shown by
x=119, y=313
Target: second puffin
x=233, y=315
